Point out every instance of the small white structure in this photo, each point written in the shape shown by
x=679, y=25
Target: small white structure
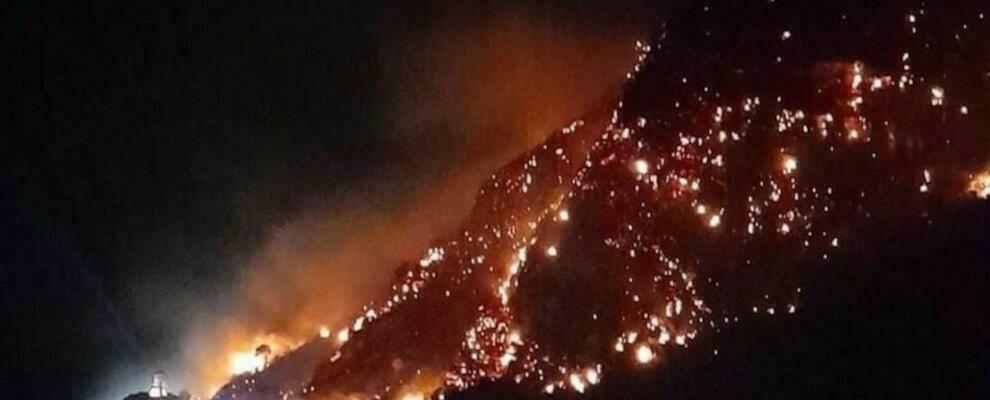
x=158, y=388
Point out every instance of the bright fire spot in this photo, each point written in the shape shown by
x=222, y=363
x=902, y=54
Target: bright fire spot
x=981, y=185
x=790, y=164
x=592, y=376
x=515, y=337
x=641, y=167
x=552, y=251
x=343, y=335
x=715, y=221
x=577, y=383
x=506, y=359
x=246, y=361
x=324, y=332
x=644, y=354
x=413, y=396
x=938, y=96
x=564, y=215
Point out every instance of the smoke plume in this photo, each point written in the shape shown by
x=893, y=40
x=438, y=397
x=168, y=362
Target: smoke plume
x=469, y=87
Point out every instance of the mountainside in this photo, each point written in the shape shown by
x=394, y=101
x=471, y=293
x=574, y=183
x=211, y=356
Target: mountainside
x=761, y=152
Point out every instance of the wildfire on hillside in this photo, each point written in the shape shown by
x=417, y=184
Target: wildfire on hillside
x=737, y=152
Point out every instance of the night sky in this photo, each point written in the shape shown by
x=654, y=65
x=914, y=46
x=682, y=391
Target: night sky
x=160, y=156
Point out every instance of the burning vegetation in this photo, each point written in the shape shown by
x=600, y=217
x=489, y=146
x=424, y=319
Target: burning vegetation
x=751, y=138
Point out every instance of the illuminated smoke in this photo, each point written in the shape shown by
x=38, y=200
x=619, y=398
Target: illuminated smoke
x=465, y=97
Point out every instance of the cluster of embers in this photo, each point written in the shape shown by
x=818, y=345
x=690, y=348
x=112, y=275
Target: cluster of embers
x=737, y=152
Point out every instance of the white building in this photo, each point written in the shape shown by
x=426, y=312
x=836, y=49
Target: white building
x=158, y=388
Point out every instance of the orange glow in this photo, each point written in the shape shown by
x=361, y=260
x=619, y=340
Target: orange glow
x=981, y=185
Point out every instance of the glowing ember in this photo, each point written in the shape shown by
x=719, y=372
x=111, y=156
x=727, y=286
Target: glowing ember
x=344, y=335
x=644, y=354
x=981, y=185
x=790, y=164
x=577, y=382
x=641, y=167
x=591, y=375
x=938, y=96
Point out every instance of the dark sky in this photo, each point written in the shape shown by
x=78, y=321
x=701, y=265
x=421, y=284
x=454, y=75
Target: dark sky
x=153, y=148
